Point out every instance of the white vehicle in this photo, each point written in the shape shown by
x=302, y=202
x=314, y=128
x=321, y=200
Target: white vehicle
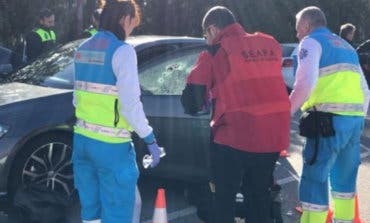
x=289, y=51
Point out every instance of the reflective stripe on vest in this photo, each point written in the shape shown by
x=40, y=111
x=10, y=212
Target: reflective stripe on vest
x=335, y=98
x=342, y=221
x=332, y=107
x=92, y=31
x=314, y=207
x=96, y=95
x=108, y=131
x=338, y=67
x=339, y=86
x=96, y=88
x=45, y=35
x=342, y=195
x=99, y=104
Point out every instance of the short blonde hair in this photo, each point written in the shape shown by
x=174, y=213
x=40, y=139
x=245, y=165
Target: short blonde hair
x=314, y=15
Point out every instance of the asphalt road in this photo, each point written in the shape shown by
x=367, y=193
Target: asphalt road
x=286, y=174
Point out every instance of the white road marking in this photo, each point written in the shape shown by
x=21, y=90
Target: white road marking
x=365, y=154
x=286, y=180
x=364, y=147
x=178, y=214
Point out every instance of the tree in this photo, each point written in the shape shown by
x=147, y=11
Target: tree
x=183, y=17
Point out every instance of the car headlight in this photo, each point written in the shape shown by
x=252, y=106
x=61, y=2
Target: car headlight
x=3, y=130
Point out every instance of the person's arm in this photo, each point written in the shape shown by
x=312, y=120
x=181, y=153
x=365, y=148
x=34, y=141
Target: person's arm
x=33, y=46
x=194, y=96
x=309, y=54
x=124, y=64
x=365, y=90
x=86, y=34
x=364, y=47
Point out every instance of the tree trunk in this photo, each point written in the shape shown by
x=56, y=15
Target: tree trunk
x=79, y=10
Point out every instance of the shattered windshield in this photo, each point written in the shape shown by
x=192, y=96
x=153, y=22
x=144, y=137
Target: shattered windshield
x=54, y=68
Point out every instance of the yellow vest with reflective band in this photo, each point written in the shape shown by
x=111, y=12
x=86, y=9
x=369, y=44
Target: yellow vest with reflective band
x=45, y=35
x=97, y=105
x=338, y=88
x=92, y=31
x=101, y=112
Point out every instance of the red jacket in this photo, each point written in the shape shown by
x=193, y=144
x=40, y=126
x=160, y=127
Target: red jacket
x=243, y=77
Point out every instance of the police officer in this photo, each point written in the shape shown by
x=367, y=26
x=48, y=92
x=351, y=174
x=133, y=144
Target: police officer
x=108, y=109
x=363, y=51
x=93, y=29
x=330, y=85
x=241, y=72
x=41, y=38
x=347, y=32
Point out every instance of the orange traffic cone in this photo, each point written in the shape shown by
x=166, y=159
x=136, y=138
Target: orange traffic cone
x=357, y=212
x=160, y=212
x=284, y=153
x=329, y=218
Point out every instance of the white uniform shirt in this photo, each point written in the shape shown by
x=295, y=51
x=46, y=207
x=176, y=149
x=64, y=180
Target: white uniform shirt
x=124, y=64
x=309, y=54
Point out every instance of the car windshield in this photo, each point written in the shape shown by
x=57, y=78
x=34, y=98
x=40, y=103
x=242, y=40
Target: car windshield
x=51, y=69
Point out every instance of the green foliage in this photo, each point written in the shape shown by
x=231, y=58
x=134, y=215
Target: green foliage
x=183, y=17
x=276, y=17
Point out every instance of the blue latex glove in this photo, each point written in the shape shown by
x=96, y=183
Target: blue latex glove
x=154, y=151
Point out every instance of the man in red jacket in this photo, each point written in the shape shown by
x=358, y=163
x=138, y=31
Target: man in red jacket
x=240, y=74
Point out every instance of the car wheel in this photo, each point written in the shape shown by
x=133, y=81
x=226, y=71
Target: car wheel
x=45, y=160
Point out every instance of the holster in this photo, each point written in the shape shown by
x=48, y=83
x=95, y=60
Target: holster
x=315, y=124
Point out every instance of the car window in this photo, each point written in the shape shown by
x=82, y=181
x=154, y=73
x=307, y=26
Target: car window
x=62, y=79
x=287, y=50
x=151, y=52
x=166, y=75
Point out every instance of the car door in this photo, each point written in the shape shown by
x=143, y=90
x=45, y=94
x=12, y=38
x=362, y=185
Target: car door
x=184, y=137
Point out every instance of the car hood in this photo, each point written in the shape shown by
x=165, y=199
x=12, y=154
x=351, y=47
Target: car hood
x=16, y=92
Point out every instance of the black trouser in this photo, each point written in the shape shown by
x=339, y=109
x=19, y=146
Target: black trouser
x=229, y=166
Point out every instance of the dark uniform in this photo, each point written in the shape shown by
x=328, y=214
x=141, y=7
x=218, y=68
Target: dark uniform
x=363, y=51
x=39, y=40
x=89, y=32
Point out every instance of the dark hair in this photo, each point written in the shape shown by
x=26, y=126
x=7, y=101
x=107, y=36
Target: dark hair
x=113, y=11
x=218, y=16
x=45, y=13
x=345, y=29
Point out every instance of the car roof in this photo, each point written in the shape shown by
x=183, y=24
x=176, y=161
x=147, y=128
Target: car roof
x=142, y=41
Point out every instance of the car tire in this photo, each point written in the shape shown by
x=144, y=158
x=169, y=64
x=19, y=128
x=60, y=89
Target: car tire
x=46, y=160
